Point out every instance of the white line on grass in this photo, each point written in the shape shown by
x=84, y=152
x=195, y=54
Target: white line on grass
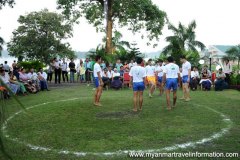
x=215, y=136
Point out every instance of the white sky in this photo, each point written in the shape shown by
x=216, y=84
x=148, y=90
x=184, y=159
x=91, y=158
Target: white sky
x=217, y=22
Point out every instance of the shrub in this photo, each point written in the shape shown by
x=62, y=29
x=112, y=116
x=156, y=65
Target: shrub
x=31, y=64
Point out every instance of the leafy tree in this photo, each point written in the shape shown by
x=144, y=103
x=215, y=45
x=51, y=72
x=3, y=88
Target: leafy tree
x=184, y=39
x=39, y=37
x=5, y=2
x=137, y=15
x=234, y=53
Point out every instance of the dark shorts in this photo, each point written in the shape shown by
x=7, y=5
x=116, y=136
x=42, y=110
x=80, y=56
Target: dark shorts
x=185, y=79
x=160, y=79
x=138, y=86
x=171, y=83
x=96, y=82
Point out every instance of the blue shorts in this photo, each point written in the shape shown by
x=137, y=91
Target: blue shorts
x=160, y=79
x=138, y=86
x=185, y=79
x=171, y=83
x=96, y=81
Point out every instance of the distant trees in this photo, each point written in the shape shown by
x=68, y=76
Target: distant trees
x=39, y=37
x=137, y=15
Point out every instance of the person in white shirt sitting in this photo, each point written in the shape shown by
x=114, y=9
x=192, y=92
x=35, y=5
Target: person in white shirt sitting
x=7, y=81
x=195, y=77
x=116, y=82
x=33, y=77
x=42, y=76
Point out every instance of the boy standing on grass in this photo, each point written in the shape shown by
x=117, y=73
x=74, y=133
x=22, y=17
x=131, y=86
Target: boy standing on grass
x=171, y=77
x=137, y=81
x=159, y=70
x=97, y=80
x=151, y=78
x=186, y=75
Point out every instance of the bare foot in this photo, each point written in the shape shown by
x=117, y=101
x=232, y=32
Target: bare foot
x=134, y=110
x=99, y=104
x=169, y=108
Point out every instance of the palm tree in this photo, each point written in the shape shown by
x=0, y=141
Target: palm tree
x=183, y=40
x=234, y=53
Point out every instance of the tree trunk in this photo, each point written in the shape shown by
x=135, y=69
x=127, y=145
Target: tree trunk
x=109, y=28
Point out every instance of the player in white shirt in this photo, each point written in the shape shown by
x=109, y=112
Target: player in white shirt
x=186, y=76
x=151, y=77
x=98, y=80
x=137, y=82
x=171, y=77
x=159, y=70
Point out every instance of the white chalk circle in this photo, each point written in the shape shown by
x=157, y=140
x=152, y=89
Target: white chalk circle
x=189, y=144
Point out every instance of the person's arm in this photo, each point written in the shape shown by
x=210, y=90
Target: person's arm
x=179, y=79
x=131, y=82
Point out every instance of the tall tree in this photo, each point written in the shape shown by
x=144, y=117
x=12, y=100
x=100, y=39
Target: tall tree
x=1, y=43
x=183, y=41
x=234, y=53
x=39, y=37
x=137, y=15
x=5, y=2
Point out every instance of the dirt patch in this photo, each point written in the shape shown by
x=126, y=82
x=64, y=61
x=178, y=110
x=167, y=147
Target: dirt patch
x=116, y=115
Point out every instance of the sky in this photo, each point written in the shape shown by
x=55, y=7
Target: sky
x=217, y=22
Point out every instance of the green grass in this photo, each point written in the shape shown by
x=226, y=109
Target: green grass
x=77, y=125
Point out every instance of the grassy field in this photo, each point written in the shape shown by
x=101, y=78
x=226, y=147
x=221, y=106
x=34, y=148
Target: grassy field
x=69, y=122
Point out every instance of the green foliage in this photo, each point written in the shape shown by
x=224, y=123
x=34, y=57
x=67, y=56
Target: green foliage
x=39, y=37
x=234, y=54
x=235, y=79
x=182, y=41
x=31, y=64
x=137, y=15
x=129, y=55
x=5, y=2
x=193, y=58
x=108, y=58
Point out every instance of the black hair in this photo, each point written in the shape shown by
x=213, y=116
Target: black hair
x=183, y=57
x=170, y=59
x=5, y=62
x=139, y=60
x=97, y=58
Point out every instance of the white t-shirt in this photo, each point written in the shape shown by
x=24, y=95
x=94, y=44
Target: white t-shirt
x=171, y=70
x=57, y=65
x=32, y=76
x=159, y=69
x=64, y=66
x=116, y=74
x=138, y=73
x=150, y=70
x=185, y=67
x=110, y=74
x=5, y=78
x=195, y=74
x=44, y=75
x=97, y=69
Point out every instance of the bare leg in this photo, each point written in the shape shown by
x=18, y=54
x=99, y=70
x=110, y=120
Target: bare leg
x=168, y=99
x=135, y=96
x=95, y=96
x=174, y=98
x=187, y=92
x=99, y=94
x=140, y=100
